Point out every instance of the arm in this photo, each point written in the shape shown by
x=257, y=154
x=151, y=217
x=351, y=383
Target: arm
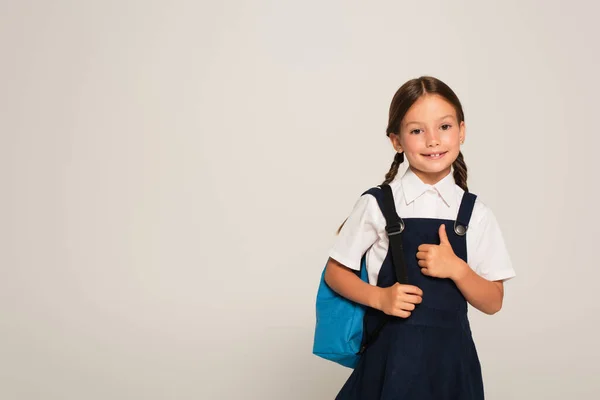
x=484, y=295
x=398, y=300
x=358, y=234
x=440, y=261
x=345, y=282
x=482, y=281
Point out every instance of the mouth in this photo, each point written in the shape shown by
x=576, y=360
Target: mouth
x=435, y=156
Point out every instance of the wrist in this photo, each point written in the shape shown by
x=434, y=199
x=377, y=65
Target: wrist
x=375, y=297
x=461, y=271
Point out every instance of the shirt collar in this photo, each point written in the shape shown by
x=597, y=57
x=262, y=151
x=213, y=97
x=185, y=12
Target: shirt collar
x=413, y=187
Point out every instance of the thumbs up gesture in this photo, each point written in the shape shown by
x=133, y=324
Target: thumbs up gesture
x=439, y=261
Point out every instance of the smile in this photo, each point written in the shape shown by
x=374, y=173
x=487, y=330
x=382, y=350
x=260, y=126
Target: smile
x=435, y=156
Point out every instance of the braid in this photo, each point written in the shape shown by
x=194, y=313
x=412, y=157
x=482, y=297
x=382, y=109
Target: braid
x=341, y=226
x=460, y=172
x=398, y=159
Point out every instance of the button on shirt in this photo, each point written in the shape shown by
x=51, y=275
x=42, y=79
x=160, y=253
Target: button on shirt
x=364, y=230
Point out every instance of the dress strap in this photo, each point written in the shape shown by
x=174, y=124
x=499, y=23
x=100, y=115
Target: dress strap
x=464, y=214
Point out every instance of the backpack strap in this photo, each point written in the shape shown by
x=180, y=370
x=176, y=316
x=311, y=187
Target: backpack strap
x=394, y=228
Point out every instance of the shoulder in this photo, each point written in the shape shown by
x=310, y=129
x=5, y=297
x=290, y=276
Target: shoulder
x=488, y=254
x=366, y=206
x=374, y=194
x=482, y=213
x=369, y=202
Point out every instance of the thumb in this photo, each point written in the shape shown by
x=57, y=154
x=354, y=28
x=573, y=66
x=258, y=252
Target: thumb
x=443, y=235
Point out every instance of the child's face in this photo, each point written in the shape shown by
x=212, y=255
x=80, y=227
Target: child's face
x=430, y=137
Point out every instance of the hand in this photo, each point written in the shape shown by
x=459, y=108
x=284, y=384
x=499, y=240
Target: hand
x=399, y=300
x=439, y=261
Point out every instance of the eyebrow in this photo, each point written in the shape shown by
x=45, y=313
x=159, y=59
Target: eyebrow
x=417, y=122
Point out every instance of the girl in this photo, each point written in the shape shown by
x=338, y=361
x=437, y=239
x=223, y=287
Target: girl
x=425, y=350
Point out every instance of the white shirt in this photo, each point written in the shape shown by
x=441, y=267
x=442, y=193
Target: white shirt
x=364, y=230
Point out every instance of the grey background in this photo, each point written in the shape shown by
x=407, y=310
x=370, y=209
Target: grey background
x=173, y=173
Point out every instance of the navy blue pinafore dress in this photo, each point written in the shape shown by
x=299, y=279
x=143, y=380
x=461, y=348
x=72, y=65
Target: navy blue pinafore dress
x=431, y=354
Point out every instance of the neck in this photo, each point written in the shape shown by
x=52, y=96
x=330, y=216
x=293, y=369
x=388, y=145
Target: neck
x=431, y=178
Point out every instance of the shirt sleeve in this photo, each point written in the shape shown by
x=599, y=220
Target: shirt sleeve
x=358, y=234
x=490, y=256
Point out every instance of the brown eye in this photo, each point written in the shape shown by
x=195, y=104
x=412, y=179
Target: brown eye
x=445, y=127
x=415, y=131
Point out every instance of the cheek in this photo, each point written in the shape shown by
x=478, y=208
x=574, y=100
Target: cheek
x=452, y=138
x=411, y=144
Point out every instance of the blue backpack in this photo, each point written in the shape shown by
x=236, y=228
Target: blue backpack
x=339, y=335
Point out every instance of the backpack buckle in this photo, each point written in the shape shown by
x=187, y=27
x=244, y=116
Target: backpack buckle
x=395, y=229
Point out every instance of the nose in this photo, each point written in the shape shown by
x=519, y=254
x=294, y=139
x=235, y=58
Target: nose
x=432, y=138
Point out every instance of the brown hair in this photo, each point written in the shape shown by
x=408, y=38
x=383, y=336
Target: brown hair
x=403, y=99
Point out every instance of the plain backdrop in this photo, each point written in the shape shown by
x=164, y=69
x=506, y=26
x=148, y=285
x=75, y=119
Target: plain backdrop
x=173, y=172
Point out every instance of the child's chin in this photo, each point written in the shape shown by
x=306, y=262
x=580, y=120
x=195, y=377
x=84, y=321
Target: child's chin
x=434, y=166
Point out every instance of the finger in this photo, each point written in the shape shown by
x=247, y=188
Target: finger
x=410, y=289
x=422, y=263
x=404, y=305
x=443, y=235
x=425, y=247
x=412, y=299
x=421, y=255
x=425, y=271
x=401, y=313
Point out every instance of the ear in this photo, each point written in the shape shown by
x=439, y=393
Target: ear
x=462, y=132
x=395, y=139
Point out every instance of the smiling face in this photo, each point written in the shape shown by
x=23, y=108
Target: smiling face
x=430, y=137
